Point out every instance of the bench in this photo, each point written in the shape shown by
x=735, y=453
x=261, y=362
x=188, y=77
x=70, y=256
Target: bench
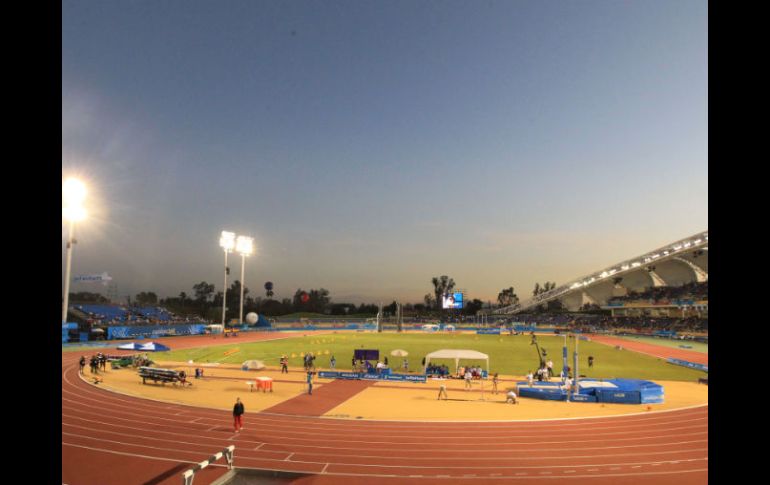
x=155, y=375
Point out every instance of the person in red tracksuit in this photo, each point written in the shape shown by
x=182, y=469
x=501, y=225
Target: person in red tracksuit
x=238, y=415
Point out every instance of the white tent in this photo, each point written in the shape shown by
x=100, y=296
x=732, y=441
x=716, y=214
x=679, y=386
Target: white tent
x=457, y=354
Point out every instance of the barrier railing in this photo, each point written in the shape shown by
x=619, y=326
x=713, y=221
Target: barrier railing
x=187, y=477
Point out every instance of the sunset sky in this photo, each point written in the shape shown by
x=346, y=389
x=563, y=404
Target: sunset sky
x=371, y=145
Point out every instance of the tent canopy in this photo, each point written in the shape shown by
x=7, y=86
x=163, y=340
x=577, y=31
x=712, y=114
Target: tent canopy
x=399, y=353
x=457, y=354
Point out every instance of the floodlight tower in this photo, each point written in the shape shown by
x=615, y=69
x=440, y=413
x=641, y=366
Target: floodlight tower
x=245, y=246
x=74, y=193
x=226, y=242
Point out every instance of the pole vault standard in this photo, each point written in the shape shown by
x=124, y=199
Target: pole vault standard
x=564, y=355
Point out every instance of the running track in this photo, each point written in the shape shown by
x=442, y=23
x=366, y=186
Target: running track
x=660, y=351
x=109, y=438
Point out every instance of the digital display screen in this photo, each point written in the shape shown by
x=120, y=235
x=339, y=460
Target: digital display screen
x=452, y=300
x=366, y=354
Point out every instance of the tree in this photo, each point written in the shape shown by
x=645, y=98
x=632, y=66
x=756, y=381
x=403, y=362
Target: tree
x=430, y=302
x=441, y=286
x=146, y=298
x=536, y=291
x=507, y=297
x=203, y=292
x=473, y=306
x=234, y=298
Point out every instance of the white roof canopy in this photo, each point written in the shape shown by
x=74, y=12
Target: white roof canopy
x=457, y=354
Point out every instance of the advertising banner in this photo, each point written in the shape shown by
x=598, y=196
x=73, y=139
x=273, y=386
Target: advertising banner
x=154, y=331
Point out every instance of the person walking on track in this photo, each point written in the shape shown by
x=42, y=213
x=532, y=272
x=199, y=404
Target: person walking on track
x=284, y=365
x=238, y=415
x=442, y=391
x=82, y=363
x=310, y=382
x=494, y=383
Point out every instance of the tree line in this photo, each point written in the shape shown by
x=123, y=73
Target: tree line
x=205, y=301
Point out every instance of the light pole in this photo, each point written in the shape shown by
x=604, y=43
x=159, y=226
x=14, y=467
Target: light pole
x=226, y=242
x=244, y=245
x=73, y=193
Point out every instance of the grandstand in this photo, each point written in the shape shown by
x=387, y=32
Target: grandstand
x=676, y=273
x=114, y=314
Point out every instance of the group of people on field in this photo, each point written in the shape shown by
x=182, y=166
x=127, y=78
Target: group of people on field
x=96, y=362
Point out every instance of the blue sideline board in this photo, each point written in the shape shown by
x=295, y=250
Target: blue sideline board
x=691, y=365
x=377, y=377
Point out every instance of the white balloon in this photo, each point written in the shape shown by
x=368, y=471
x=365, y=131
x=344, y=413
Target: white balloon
x=251, y=318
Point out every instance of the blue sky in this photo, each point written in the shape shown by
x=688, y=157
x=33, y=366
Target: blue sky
x=371, y=145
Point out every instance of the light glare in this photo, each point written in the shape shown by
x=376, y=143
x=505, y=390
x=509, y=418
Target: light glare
x=227, y=241
x=74, y=213
x=244, y=245
x=73, y=191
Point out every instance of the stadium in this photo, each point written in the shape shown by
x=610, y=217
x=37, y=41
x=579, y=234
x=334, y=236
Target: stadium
x=381, y=242
x=640, y=321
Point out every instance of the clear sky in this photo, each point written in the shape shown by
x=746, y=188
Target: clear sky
x=371, y=145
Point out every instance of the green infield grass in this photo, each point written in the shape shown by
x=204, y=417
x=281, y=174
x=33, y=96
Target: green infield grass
x=508, y=355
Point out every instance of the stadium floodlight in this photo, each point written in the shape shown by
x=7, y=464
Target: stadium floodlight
x=245, y=246
x=73, y=193
x=226, y=242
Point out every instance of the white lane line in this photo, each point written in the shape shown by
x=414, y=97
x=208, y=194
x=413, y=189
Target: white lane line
x=402, y=466
x=136, y=455
x=260, y=446
x=399, y=441
x=288, y=458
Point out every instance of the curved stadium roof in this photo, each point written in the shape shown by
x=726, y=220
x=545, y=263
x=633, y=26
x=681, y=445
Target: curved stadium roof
x=674, y=264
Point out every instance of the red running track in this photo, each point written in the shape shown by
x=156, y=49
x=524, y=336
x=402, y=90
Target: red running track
x=660, y=351
x=121, y=440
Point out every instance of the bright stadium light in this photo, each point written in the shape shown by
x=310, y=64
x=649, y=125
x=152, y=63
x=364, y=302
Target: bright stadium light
x=73, y=191
x=74, y=213
x=73, y=195
x=245, y=246
x=226, y=242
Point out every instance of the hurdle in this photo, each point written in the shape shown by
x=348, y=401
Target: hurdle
x=187, y=477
